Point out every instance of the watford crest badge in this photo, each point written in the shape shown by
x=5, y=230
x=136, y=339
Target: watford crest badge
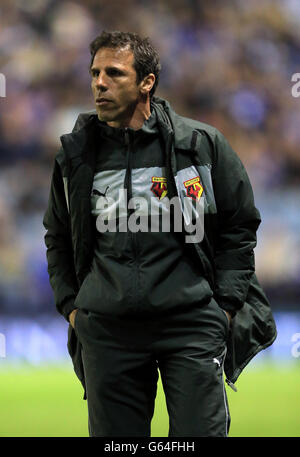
x=193, y=188
x=159, y=187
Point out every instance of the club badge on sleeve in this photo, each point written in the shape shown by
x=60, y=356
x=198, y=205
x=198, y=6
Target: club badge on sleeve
x=193, y=188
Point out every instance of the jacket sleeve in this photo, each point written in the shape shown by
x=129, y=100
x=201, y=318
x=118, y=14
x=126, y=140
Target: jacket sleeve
x=238, y=221
x=58, y=241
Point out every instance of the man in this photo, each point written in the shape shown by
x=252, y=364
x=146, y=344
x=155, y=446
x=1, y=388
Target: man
x=142, y=300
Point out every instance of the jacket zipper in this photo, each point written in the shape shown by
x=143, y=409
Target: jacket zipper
x=133, y=235
x=128, y=184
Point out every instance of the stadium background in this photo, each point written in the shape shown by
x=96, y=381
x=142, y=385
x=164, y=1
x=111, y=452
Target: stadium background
x=226, y=63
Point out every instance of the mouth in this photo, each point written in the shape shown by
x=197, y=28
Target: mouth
x=101, y=101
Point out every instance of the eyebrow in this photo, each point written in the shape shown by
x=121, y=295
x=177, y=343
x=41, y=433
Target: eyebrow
x=107, y=69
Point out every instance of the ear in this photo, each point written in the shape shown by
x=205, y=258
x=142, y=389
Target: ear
x=147, y=84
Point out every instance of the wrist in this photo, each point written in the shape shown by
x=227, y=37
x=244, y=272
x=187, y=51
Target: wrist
x=229, y=315
x=71, y=316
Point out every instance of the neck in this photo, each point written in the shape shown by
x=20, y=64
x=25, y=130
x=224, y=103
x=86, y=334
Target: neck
x=135, y=120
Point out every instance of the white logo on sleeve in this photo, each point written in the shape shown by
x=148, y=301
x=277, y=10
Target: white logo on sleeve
x=216, y=361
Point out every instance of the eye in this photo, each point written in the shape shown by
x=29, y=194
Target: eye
x=114, y=72
x=94, y=73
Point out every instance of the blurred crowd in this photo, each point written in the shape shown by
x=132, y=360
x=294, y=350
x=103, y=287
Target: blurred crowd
x=226, y=63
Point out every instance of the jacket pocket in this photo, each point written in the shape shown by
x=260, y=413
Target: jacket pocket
x=223, y=317
x=253, y=329
x=227, y=319
x=74, y=349
x=76, y=321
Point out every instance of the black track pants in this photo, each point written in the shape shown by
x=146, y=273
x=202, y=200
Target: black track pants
x=121, y=358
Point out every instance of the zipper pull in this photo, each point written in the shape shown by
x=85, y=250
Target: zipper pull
x=231, y=385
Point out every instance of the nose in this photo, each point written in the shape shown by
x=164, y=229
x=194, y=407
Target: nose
x=101, y=82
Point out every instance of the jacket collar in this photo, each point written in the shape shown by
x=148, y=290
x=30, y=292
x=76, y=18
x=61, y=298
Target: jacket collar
x=75, y=143
x=182, y=128
x=79, y=146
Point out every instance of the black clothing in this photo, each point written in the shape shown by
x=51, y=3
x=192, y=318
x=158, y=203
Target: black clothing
x=131, y=272
x=196, y=163
x=121, y=358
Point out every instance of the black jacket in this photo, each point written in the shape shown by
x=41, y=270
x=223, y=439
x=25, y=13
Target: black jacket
x=225, y=255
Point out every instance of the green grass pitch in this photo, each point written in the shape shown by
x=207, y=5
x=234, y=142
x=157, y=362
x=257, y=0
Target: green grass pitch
x=47, y=402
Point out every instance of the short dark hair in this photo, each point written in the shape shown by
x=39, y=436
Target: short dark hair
x=146, y=58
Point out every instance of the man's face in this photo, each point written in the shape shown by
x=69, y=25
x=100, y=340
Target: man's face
x=114, y=86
